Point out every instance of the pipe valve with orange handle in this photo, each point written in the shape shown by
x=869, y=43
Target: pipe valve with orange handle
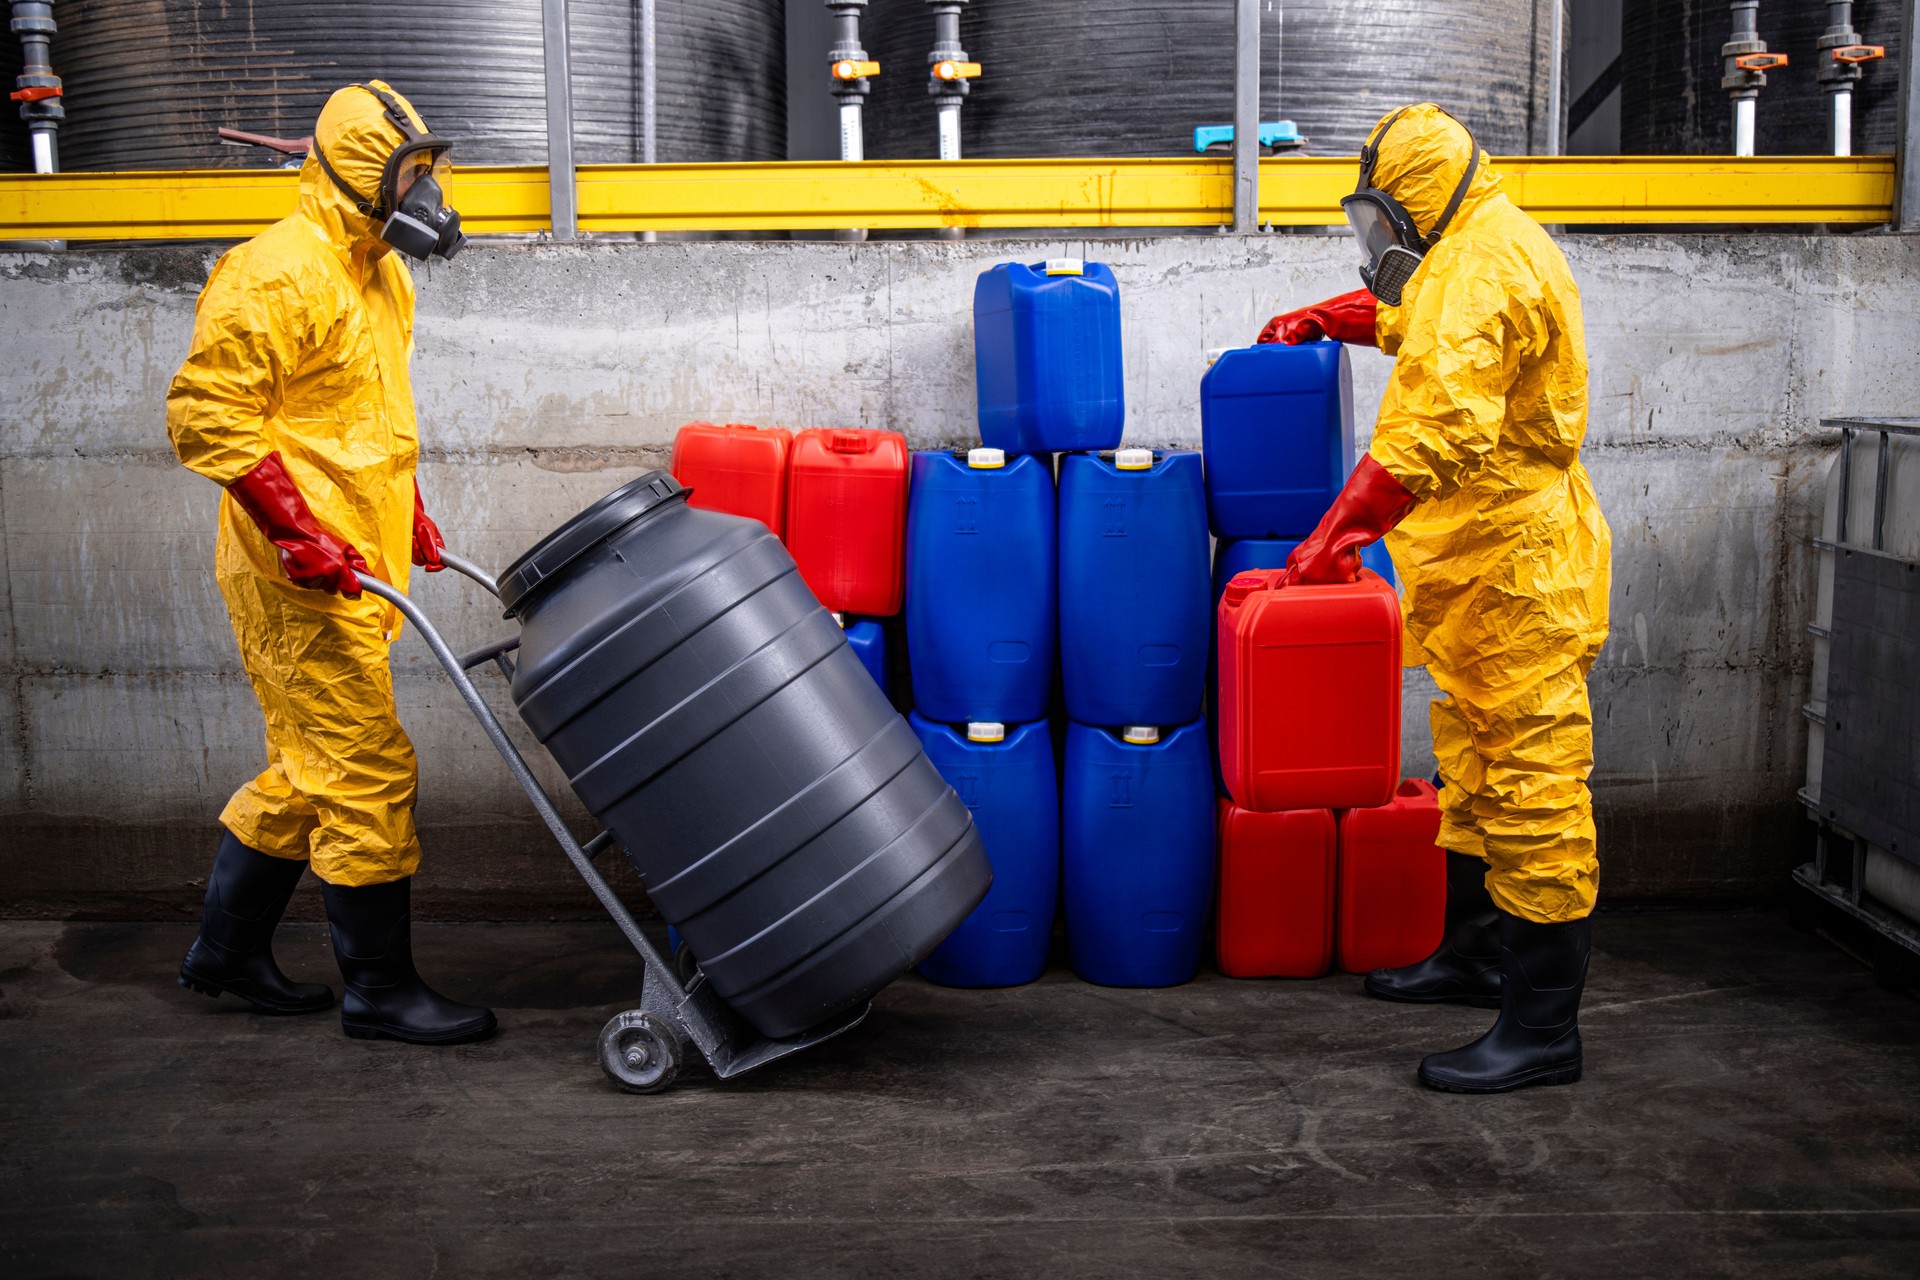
x=948, y=69
x=854, y=69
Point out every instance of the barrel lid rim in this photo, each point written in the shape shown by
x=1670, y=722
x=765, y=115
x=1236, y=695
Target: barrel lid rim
x=579, y=535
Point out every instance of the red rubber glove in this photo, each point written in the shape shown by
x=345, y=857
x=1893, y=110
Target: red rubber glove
x=1371, y=503
x=1347, y=318
x=309, y=555
x=427, y=544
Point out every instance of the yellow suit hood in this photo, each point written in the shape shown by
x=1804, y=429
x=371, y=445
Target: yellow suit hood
x=1422, y=158
x=357, y=138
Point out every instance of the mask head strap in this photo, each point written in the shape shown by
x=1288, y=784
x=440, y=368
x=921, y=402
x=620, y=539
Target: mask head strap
x=413, y=140
x=1370, y=157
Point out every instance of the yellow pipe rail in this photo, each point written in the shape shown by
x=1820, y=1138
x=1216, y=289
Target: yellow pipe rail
x=225, y=204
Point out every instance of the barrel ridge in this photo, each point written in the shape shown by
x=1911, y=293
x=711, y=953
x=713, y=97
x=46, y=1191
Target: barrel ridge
x=773, y=1005
x=709, y=710
x=782, y=831
x=773, y=949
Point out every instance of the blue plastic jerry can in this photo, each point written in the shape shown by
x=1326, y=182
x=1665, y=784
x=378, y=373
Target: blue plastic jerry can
x=1137, y=852
x=982, y=586
x=1248, y=554
x=868, y=640
x=1046, y=354
x=1276, y=426
x=1005, y=776
x=1135, y=612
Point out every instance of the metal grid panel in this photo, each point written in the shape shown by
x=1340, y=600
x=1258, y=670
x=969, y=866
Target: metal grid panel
x=1870, y=774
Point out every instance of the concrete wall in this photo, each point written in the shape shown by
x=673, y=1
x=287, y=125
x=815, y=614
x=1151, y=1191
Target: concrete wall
x=548, y=375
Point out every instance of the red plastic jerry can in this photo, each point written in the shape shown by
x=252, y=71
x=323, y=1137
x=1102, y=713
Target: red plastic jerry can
x=1276, y=892
x=847, y=517
x=1309, y=693
x=738, y=469
x=1391, y=906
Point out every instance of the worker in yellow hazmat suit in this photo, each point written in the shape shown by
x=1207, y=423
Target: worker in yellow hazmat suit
x=296, y=399
x=1506, y=559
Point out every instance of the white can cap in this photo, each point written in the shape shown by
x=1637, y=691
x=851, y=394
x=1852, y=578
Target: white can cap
x=1133, y=459
x=1214, y=353
x=986, y=731
x=1066, y=267
x=1144, y=735
x=986, y=459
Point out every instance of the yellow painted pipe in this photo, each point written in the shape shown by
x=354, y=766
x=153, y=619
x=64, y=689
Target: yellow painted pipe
x=1041, y=194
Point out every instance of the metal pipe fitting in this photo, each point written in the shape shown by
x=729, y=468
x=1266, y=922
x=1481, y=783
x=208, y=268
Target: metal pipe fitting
x=851, y=70
x=36, y=88
x=1842, y=64
x=948, y=90
x=1745, y=71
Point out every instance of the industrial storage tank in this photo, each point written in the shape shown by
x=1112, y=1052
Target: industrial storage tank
x=1064, y=77
x=149, y=81
x=13, y=130
x=1671, y=102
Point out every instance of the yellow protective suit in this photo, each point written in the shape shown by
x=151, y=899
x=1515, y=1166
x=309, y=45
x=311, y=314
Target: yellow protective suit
x=301, y=342
x=1505, y=555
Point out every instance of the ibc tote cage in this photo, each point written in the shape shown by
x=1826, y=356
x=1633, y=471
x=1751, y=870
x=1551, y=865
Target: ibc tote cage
x=1863, y=791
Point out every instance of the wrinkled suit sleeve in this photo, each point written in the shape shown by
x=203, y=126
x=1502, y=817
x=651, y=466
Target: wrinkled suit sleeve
x=1447, y=395
x=244, y=349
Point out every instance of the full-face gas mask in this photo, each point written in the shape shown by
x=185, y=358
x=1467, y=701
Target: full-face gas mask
x=420, y=223
x=1391, y=246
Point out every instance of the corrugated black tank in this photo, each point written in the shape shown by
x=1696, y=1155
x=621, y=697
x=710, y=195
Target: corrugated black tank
x=1067, y=78
x=148, y=81
x=13, y=131
x=708, y=711
x=1671, y=102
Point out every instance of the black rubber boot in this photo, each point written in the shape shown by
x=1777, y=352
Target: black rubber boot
x=1466, y=968
x=246, y=893
x=385, y=997
x=1536, y=1039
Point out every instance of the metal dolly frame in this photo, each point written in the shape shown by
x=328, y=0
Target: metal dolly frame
x=642, y=1049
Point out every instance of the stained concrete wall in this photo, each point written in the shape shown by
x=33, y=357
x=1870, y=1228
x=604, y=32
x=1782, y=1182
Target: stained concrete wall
x=547, y=375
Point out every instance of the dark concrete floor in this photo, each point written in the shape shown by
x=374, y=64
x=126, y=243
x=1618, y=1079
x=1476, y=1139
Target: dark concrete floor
x=1751, y=1109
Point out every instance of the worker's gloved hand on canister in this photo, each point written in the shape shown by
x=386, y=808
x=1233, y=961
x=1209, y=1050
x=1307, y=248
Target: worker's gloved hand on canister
x=1371, y=503
x=1348, y=318
x=427, y=543
x=309, y=555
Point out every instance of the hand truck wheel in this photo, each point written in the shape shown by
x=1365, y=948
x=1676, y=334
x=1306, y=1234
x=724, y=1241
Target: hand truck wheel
x=639, y=1053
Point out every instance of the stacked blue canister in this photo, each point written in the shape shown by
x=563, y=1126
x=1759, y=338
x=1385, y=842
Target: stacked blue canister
x=1103, y=579
x=1276, y=428
x=981, y=618
x=1051, y=548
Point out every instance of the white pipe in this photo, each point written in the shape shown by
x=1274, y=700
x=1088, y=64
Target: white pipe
x=852, y=133
x=46, y=153
x=1743, y=126
x=949, y=133
x=1842, y=122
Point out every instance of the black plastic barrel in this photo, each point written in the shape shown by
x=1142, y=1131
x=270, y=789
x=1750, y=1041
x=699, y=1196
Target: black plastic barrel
x=708, y=711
